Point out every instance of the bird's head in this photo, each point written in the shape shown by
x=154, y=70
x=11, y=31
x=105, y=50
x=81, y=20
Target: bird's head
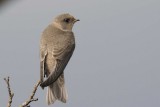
x=65, y=22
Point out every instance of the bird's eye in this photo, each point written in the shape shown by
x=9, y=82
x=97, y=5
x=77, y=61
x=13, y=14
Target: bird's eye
x=66, y=20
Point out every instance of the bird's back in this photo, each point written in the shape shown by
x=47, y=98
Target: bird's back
x=55, y=40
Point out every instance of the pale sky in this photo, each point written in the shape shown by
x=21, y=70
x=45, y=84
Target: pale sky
x=116, y=62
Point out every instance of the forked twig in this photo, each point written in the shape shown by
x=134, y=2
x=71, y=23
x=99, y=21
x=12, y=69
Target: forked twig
x=31, y=99
x=11, y=94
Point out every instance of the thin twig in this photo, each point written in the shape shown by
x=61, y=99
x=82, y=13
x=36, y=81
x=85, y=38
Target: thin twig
x=11, y=94
x=31, y=99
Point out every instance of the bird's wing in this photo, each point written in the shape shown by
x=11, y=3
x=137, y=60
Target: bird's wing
x=62, y=59
x=43, y=53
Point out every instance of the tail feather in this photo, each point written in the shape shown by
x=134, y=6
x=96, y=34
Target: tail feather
x=62, y=94
x=50, y=98
x=56, y=91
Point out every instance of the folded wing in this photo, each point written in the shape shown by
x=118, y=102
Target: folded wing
x=62, y=59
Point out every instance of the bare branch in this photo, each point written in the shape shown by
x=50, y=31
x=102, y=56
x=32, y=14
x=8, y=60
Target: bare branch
x=31, y=99
x=11, y=94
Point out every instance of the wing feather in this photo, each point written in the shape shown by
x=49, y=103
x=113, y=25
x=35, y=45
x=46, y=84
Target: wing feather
x=62, y=61
x=43, y=53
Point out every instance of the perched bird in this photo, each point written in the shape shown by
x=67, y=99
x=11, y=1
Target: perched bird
x=56, y=48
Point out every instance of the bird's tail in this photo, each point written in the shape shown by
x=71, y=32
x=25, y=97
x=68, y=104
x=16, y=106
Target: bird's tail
x=56, y=91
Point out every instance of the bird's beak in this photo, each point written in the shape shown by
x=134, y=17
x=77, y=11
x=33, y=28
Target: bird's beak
x=76, y=20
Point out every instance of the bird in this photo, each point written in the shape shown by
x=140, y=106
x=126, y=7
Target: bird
x=57, y=44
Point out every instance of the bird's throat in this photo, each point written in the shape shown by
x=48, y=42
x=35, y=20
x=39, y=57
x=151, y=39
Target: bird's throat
x=60, y=27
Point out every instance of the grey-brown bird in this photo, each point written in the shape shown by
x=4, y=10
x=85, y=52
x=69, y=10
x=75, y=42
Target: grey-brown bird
x=56, y=48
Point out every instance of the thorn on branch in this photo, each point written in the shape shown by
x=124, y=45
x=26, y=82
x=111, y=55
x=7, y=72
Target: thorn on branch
x=11, y=94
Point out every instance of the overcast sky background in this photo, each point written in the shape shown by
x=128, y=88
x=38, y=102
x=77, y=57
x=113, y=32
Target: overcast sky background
x=116, y=62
